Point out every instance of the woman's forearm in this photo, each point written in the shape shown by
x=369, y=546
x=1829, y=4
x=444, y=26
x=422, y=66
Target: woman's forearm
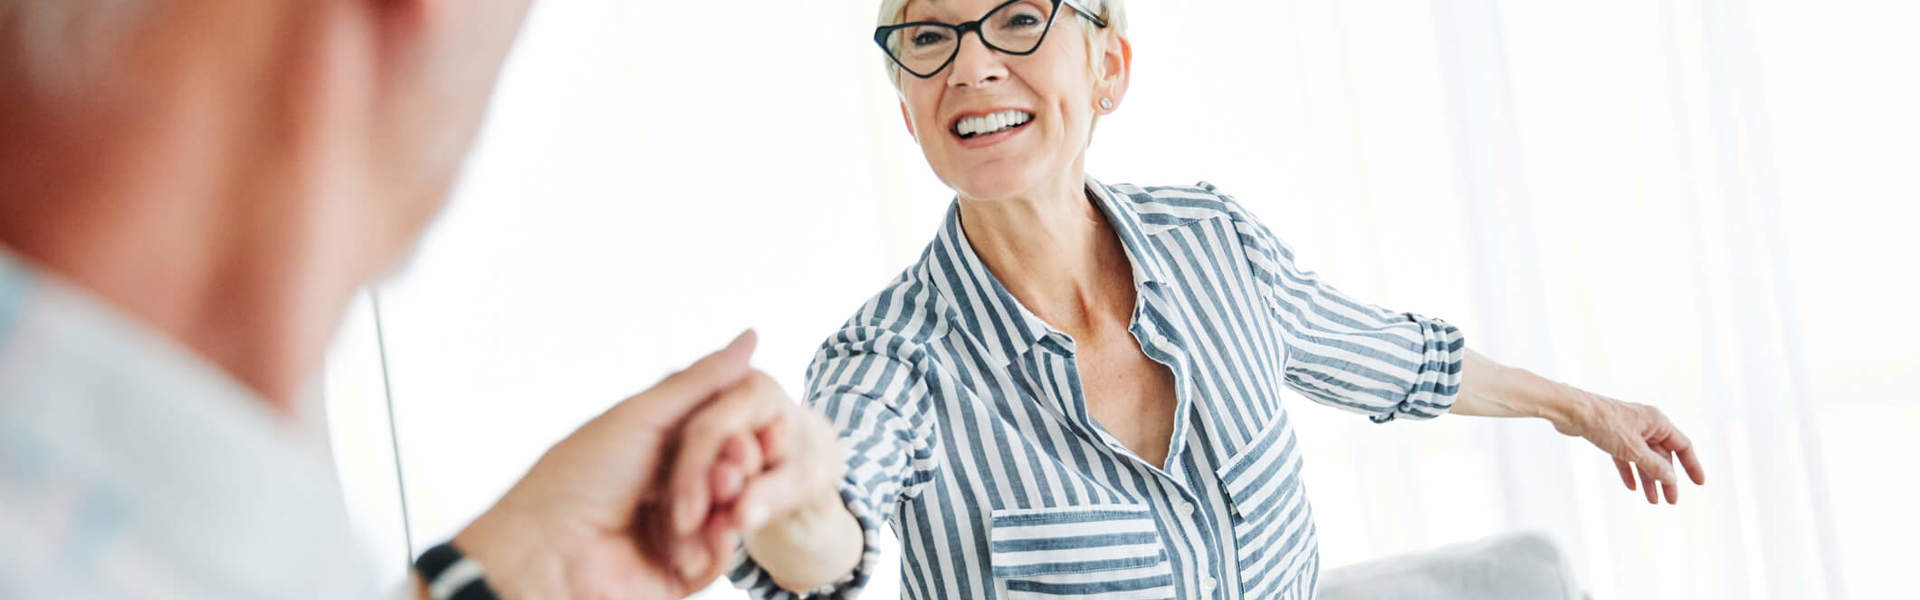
x=1490, y=389
x=809, y=548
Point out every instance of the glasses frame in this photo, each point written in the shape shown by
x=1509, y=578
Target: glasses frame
x=960, y=30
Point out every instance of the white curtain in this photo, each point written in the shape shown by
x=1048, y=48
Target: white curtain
x=1705, y=205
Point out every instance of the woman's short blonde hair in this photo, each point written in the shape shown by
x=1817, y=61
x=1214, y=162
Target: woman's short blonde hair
x=1113, y=11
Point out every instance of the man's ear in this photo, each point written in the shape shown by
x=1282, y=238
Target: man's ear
x=908, y=120
x=405, y=17
x=1116, y=72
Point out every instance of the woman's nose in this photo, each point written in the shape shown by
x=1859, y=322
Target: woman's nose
x=975, y=65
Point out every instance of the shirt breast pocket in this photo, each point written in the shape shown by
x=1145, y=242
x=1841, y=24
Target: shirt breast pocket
x=1272, y=523
x=1105, y=551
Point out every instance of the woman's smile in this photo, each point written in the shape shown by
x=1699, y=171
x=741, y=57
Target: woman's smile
x=980, y=129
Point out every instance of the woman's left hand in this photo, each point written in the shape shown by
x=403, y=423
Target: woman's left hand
x=1640, y=435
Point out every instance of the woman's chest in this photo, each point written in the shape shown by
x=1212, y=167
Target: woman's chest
x=1129, y=395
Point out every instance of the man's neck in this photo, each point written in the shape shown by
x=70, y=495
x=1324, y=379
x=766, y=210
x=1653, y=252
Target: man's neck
x=187, y=217
x=238, y=303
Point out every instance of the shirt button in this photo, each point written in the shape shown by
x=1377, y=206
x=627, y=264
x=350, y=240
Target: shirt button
x=1186, y=508
x=1207, y=585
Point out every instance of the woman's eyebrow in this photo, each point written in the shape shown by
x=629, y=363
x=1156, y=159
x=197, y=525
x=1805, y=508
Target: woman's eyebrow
x=918, y=10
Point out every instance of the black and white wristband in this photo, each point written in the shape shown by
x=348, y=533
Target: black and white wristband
x=450, y=575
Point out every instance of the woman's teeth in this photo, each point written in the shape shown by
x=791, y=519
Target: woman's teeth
x=993, y=123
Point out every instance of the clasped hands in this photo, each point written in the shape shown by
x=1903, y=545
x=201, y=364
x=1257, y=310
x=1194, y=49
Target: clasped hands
x=652, y=498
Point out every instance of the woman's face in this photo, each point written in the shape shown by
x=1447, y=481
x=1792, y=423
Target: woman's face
x=1037, y=110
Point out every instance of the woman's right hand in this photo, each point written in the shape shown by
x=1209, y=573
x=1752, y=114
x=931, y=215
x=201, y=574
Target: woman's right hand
x=787, y=504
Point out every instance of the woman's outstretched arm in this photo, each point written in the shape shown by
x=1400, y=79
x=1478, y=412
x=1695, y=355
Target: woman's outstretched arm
x=1634, y=434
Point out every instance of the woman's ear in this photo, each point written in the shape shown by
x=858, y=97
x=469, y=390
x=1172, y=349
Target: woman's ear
x=1116, y=70
x=908, y=119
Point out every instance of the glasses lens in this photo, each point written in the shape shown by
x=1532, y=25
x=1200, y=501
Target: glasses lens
x=922, y=48
x=1018, y=26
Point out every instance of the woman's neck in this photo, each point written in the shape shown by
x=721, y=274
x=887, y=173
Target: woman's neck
x=1056, y=253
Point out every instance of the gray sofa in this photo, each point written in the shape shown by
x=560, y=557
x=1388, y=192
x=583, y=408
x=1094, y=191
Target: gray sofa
x=1516, y=566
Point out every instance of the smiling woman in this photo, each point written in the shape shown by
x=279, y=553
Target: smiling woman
x=1075, y=391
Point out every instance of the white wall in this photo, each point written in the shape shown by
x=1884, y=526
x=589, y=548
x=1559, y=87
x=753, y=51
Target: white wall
x=1703, y=205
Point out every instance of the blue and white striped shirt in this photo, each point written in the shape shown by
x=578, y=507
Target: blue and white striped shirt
x=970, y=433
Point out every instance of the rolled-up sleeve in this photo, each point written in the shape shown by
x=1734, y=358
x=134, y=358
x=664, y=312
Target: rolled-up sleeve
x=1346, y=353
x=870, y=384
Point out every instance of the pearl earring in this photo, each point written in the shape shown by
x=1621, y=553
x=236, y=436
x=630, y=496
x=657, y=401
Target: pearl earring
x=1106, y=103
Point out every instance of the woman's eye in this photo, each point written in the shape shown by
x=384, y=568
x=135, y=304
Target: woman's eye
x=1024, y=20
x=928, y=38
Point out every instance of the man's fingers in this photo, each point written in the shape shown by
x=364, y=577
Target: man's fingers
x=721, y=540
x=691, y=561
x=670, y=400
x=737, y=411
x=1626, y=473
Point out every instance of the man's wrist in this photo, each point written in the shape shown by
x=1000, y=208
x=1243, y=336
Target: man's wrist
x=516, y=567
x=444, y=572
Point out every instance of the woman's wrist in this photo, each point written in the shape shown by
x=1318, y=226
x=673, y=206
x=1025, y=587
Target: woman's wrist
x=1567, y=407
x=810, y=547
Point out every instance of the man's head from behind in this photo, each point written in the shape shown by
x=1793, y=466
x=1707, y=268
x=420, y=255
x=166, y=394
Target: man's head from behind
x=229, y=171
x=368, y=106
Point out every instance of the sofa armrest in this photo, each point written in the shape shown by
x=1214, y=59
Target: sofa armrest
x=1525, y=565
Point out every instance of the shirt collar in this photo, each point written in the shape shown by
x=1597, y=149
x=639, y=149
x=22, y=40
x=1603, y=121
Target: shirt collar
x=1148, y=266
x=991, y=315
x=149, y=456
x=14, y=282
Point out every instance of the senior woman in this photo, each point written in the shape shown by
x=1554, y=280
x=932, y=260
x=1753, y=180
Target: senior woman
x=1075, y=391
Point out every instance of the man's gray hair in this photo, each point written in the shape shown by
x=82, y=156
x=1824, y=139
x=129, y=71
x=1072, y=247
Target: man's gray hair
x=62, y=43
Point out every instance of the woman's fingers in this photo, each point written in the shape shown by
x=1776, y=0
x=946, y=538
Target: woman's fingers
x=1673, y=439
x=1626, y=473
x=808, y=466
x=1655, y=468
x=1671, y=486
x=775, y=440
x=739, y=460
x=1643, y=442
x=742, y=409
x=1692, y=463
x=1647, y=484
x=777, y=493
x=1684, y=447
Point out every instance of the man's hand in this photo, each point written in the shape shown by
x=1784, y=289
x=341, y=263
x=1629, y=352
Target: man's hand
x=588, y=521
